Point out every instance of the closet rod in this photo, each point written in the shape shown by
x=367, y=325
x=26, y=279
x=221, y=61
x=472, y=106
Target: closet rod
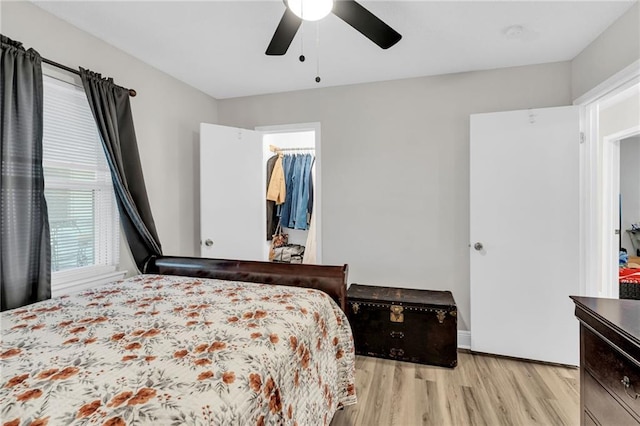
x=132, y=92
x=276, y=149
x=298, y=149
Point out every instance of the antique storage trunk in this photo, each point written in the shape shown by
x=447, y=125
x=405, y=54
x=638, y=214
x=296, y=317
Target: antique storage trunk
x=404, y=324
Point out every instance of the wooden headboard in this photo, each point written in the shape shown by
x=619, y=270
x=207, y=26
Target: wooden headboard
x=330, y=279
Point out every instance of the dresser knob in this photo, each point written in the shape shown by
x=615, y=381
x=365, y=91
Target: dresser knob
x=626, y=382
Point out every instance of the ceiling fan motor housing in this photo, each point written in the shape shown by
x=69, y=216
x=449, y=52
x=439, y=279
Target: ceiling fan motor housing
x=310, y=10
x=350, y=11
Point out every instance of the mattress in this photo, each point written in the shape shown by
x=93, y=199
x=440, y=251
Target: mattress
x=170, y=350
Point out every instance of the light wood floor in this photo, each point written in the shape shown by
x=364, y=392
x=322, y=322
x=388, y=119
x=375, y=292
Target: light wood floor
x=481, y=390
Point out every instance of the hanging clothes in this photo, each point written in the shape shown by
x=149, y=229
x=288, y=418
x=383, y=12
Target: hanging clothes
x=277, y=189
x=284, y=211
x=301, y=219
x=296, y=182
x=310, y=252
x=295, y=212
x=272, y=213
x=311, y=195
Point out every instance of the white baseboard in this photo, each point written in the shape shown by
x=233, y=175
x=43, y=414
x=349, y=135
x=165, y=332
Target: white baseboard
x=464, y=339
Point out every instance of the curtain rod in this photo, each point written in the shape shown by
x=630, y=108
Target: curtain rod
x=132, y=92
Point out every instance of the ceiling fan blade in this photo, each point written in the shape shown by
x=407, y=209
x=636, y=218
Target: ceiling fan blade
x=286, y=31
x=367, y=23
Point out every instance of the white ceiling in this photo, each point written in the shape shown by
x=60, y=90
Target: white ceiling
x=218, y=46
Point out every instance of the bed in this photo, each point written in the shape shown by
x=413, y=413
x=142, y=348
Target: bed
x=629, y=279
x=190, y=341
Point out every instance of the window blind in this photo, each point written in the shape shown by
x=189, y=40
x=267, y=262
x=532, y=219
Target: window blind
x=83, y=216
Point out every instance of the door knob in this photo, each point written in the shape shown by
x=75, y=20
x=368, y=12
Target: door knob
x=208, y=242
x=478, y=246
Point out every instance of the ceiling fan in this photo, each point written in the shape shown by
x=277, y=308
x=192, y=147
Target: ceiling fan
x=350, y=11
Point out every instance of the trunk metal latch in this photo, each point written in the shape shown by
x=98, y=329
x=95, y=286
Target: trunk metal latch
x=396, y=313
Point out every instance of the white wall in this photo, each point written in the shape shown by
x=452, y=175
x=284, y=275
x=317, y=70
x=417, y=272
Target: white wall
x=395, y=154
x=630, y=187
x=166, y=112
x=617, y=47
x=395, y=161
x=620, y=115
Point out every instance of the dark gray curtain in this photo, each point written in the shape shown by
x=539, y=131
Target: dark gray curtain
x=25, y=272
x=112, y=111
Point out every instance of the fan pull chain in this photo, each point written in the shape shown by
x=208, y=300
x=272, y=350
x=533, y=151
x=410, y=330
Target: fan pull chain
x=301, y=57
x=318, y=52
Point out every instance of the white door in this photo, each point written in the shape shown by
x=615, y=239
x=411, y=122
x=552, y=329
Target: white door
x=232, y=193
x=525, y=216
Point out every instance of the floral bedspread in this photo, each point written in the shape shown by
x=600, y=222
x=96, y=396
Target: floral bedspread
x=168, y=350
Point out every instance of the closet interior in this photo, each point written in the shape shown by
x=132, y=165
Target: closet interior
x=290, y=165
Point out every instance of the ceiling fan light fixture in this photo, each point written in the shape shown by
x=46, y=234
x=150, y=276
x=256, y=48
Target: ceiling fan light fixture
x=310, y=10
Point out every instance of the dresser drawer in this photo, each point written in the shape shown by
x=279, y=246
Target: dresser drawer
x=613, y=370
x=602, y=406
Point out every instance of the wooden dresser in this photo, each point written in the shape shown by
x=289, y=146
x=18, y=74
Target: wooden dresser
x=609, y=361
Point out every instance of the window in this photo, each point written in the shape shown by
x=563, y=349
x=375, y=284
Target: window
x=83, y=216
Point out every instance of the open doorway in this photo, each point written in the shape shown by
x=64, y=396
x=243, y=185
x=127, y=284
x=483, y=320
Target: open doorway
x=630, y=198
x=299, y=140
x=610, y=117
x=232, y=190
x=625, y=200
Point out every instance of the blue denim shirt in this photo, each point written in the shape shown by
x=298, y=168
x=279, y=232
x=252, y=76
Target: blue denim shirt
x=297, y=171
x=284, y=210
x=302, y=201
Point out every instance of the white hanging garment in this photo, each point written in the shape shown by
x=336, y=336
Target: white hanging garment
x=310, y=247
x=310, y=251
